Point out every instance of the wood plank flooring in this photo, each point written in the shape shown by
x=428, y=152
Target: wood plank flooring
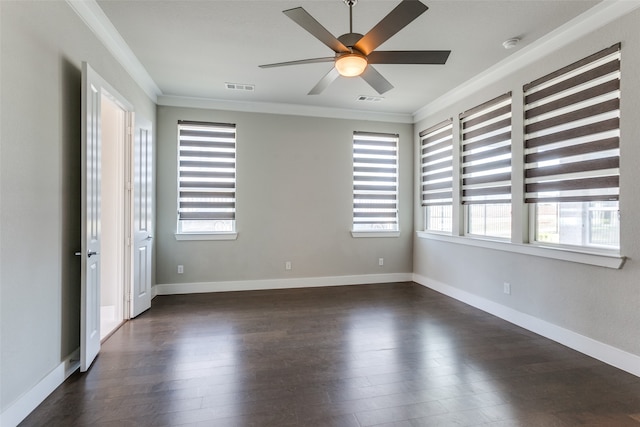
x=372, y=355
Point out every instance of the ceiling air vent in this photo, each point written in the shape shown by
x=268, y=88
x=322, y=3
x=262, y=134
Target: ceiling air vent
x=240, y=86
x=365, y=98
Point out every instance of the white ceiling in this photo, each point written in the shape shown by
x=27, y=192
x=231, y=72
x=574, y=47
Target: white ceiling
x=191, y=48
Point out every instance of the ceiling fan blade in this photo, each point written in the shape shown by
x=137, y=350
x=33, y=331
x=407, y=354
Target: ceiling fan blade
x=375, y=80
x=397, y=19
x=408, y=57
x=308, y=22
x=299, y=62
x=325, y=82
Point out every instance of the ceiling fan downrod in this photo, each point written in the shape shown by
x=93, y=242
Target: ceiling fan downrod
x=350, y=3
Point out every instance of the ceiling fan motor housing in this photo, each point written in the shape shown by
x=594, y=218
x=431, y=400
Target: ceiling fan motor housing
x=350, y=39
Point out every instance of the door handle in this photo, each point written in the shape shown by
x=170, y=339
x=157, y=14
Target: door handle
x=149, y=238
x=89, y=254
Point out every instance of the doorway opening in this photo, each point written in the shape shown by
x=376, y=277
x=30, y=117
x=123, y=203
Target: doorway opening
x=113, y=216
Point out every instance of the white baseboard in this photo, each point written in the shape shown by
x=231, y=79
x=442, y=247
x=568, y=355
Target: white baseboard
x=22, y=407
x=255, y=285
x=604, y=352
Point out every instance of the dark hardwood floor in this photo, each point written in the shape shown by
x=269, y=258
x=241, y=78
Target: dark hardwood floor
x=385, y=355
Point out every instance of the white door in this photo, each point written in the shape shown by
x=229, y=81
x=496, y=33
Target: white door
x=94, y=88
x=90, y=252
x=142, y=216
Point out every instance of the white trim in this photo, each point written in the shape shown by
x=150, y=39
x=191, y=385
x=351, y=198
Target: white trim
x=154, y=292
x=301, y=282
x=278, y=108
x=604, y=352
x=26, y=403
x=597, y=259
x=232, y=235
x=375, y=233
x=586, y=23
x=93, y=16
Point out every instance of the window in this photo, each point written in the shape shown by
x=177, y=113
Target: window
x=572, y=156
x=375, y=182
x=486, y=167
x=206, y=177
x=436, y=152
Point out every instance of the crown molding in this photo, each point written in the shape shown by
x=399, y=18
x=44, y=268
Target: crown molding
x=94, y=17
x=286, y=109
x=598, y=16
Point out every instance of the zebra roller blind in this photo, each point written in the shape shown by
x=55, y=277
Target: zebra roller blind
x=486, y=152
x=436, y=150
x=375, y=182
x=572, y=132
x=207, y=172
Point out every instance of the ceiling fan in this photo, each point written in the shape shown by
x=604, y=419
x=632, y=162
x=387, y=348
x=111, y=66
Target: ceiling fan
x=354, y=53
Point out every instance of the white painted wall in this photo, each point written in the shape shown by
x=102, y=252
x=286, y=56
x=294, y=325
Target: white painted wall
x=598, y=303
x=294, y=202
x=42, y=47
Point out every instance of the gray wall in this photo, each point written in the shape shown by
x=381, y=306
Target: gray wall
x=294, y=202
x=43, y=45
x=600, y=303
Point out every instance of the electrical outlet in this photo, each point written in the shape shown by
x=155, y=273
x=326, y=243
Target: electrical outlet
x=287, y=265
x=380, y=261
x=506, y=288
x=180, y=269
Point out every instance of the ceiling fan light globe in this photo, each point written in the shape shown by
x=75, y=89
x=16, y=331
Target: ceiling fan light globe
x=351, y=65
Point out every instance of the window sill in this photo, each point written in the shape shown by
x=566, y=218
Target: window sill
x=358, y=234
x=597, y=259
x=232, y=235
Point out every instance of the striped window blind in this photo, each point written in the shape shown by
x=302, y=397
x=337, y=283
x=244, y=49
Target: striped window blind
x=572, y=132
x=437, y=164
x=207, y=176
x=375, y=182
x=486, y=152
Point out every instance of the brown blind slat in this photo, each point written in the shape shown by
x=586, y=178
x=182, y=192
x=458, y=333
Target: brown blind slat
x=498, y=151
x=586, y=130
x=486, y=191
x=582, y=113
x=574, y=184
x=442, y=195
x=436, y=186
x=583, y=166
x=489, y=128
x=486, y=166
x=501, y=137
x=486, y=179
x=592, y=92
x=574, y=150
x=486, y=117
